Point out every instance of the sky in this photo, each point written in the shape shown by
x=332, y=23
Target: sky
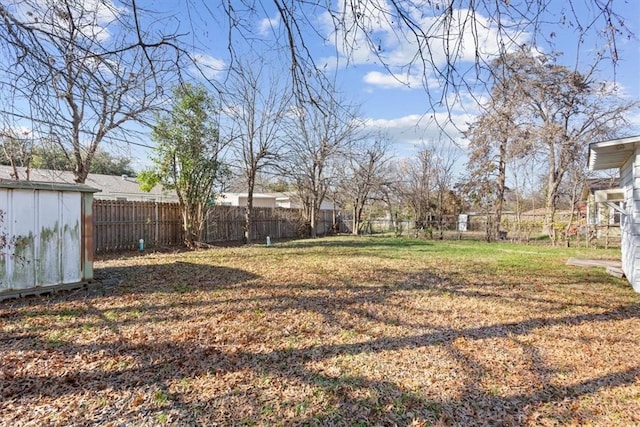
x=391, y=96
x=397, y=103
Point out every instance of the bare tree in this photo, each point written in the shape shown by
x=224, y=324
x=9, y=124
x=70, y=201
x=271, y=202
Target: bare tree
x=425, y=185
x=316, y=138
x=417, y=187
x=77, y=72
x=545, y=112
x=364, y=174
x=446, y=46
x=523, y=183
x=257, y=101
x=444, y=160
x=494, y=139
x=574, y=183
x=17, y=152
x=562, y=111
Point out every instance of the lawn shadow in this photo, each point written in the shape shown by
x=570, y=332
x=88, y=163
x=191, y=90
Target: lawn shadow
x=179, y=277
x=349, y=399
x=558, y=290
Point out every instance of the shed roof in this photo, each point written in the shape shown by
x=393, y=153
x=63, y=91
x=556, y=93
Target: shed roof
x=612, y=153
x=43, y=185
x=110, y=186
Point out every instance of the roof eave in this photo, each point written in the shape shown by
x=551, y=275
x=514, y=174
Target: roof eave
x=613, y=153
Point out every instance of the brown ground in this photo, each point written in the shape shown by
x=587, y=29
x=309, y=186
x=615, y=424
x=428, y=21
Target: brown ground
x=295, y=336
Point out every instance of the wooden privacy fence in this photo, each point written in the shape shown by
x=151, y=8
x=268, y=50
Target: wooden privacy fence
x=119, y=225
x=226, y=224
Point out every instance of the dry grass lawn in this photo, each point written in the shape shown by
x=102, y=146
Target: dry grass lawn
x=340, y=331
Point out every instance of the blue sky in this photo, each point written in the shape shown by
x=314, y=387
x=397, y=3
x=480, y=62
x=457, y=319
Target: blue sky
x=395, y=103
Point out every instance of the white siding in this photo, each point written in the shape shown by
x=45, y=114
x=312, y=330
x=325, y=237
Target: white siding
x=630, y=223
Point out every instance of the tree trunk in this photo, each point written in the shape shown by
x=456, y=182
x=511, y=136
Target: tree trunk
x=355, y=222
x=553, y=181
x=312, y=218
x=189, y=227
x=502, y=177
x=248, y=211
x=550, y=216
x=489, y=228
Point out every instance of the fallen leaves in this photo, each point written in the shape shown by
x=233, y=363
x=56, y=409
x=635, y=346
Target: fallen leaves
x=326, y=332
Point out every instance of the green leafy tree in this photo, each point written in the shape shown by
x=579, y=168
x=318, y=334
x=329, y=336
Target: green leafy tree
x=17, y=152
x=187, y=157
x=21, y=152
x=54, y=157
x=108, y=164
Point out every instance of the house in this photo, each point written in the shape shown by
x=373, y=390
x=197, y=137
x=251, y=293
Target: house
x=288, y=200
x=603, y=198
x=260, y=200
x=111, y=187
x=291, y=200
x=623, y=154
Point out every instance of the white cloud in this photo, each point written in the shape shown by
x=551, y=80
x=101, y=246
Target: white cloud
x=91, y=17
x=463, y=38
x=415, y=129
x=211, y=67
x=389, y=81
x=634, y=122
x=266, y=25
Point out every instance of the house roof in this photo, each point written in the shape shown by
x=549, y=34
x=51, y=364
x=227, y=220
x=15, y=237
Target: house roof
x=613, y=153
x=113, y=186
x=597, y=184
x=255, y=195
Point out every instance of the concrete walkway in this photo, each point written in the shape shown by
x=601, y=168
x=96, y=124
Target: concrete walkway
x=614, y=267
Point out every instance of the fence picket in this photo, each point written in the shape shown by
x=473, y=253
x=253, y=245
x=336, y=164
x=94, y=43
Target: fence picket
x=119, y=224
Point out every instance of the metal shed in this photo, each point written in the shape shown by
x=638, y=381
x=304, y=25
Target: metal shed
x=48, y=236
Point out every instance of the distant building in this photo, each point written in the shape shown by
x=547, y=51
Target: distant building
x=604, y=199
x=289, y=200
x=260, y=200
x=112, y=187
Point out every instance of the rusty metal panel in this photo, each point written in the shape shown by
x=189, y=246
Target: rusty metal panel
x=87, y=245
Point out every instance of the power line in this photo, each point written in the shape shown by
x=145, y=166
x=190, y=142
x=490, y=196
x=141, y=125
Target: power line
x=50, y=123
